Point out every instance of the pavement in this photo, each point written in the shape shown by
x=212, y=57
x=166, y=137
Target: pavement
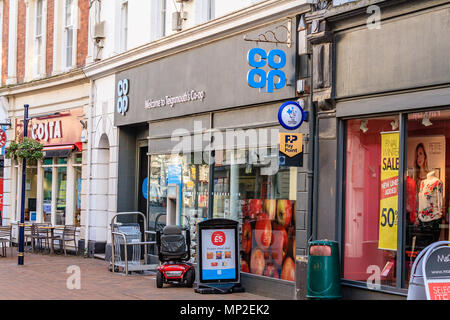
x=55, y=277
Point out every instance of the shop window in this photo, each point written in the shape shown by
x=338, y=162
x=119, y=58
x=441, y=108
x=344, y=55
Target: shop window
x=47, y=194
x=427, y=198
x=371, y=199
x=30, y=194
x=193, y=179
x=251, y=188
x=78, y=160
x=54, y=203
x=61, y=189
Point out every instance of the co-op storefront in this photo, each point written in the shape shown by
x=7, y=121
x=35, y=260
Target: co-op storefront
x=198, y=120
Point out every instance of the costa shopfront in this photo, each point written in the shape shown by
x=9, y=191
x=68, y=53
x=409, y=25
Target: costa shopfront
x=53, y=185
x=197, y=121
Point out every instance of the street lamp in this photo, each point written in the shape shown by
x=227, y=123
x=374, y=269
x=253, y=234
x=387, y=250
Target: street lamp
x=20, y=252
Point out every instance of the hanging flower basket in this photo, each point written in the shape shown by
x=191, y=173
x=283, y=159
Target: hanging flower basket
x=28, y=149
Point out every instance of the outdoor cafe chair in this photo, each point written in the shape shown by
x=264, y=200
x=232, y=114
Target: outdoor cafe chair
x=28, y=235
x=40, y=235
x=69, y=234
x=5, y=238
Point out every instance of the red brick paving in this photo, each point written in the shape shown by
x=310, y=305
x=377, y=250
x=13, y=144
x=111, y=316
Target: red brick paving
x=44, y=277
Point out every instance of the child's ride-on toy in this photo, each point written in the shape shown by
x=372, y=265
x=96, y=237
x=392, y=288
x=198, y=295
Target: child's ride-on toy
x=174, y=252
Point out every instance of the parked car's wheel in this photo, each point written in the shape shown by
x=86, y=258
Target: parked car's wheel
x=159, y=279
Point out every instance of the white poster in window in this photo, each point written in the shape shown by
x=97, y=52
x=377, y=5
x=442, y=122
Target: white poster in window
x=434, y=147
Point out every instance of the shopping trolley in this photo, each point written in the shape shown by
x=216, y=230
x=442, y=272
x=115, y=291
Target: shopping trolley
x=128, y=245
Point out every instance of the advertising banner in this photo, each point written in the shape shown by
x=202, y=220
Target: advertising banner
x=387, y=239
x=218, y=254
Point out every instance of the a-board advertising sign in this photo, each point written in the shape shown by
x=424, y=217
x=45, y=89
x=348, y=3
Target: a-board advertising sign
x=436, y=270
x=219, y=251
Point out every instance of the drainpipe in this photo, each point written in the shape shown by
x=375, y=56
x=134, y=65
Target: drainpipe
x=312, y=163
x=89, y=164
x=311, y=169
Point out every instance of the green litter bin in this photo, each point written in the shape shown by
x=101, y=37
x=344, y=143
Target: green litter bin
x=323, y=275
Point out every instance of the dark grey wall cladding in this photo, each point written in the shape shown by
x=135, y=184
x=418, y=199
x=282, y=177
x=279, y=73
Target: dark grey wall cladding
x=326, y=211
x=219, y=69
x=387, y=59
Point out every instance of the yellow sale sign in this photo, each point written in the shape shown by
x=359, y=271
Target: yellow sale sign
x=387, y=239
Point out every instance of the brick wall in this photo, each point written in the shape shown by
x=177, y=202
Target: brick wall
x=5, y=41
x=21, y=31
x=83, y=32
x=50, y=33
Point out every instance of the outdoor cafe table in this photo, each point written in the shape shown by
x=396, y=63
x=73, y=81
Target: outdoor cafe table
x=52, y=234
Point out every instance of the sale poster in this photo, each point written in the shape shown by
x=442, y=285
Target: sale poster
x=387, y=239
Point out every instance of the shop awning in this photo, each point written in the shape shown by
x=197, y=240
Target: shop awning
x=61, y=151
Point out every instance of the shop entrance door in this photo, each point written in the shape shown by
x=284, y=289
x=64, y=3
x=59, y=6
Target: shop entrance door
x=143, y=182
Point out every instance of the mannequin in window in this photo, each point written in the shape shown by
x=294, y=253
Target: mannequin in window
x=430, y=209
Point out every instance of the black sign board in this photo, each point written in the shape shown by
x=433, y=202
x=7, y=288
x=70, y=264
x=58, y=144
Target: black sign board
x=437, y=265
x=218, y=256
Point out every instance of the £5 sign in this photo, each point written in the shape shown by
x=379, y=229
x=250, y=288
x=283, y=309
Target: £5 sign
x=259, y=78
x=218, y=238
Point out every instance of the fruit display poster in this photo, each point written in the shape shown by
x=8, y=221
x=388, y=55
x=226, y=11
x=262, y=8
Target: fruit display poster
x=218, y=254
x=268, y=238
x=387, y=239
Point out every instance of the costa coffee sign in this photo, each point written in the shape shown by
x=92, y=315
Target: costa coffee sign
x=46, y=131
x=64, y=128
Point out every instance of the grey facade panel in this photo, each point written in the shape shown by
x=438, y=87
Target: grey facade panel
x=397, y=56
x=168, y=127
x=326, y=206
x=218, y=69
x=394, y=103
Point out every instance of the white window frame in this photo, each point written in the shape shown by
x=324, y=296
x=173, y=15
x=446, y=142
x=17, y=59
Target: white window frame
x=158, y=19
x=39, y=38
x=124, y=26
x=69, y=28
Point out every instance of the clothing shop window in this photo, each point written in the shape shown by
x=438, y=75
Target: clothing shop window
x=250, y=187
x=427, y=198
x=371, y=199
x=372, y=194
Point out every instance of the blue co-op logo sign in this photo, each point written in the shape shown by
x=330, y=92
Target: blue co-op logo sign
x=272, y=80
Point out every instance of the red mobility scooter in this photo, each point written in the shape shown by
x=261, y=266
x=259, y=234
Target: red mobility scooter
x=174, y=252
